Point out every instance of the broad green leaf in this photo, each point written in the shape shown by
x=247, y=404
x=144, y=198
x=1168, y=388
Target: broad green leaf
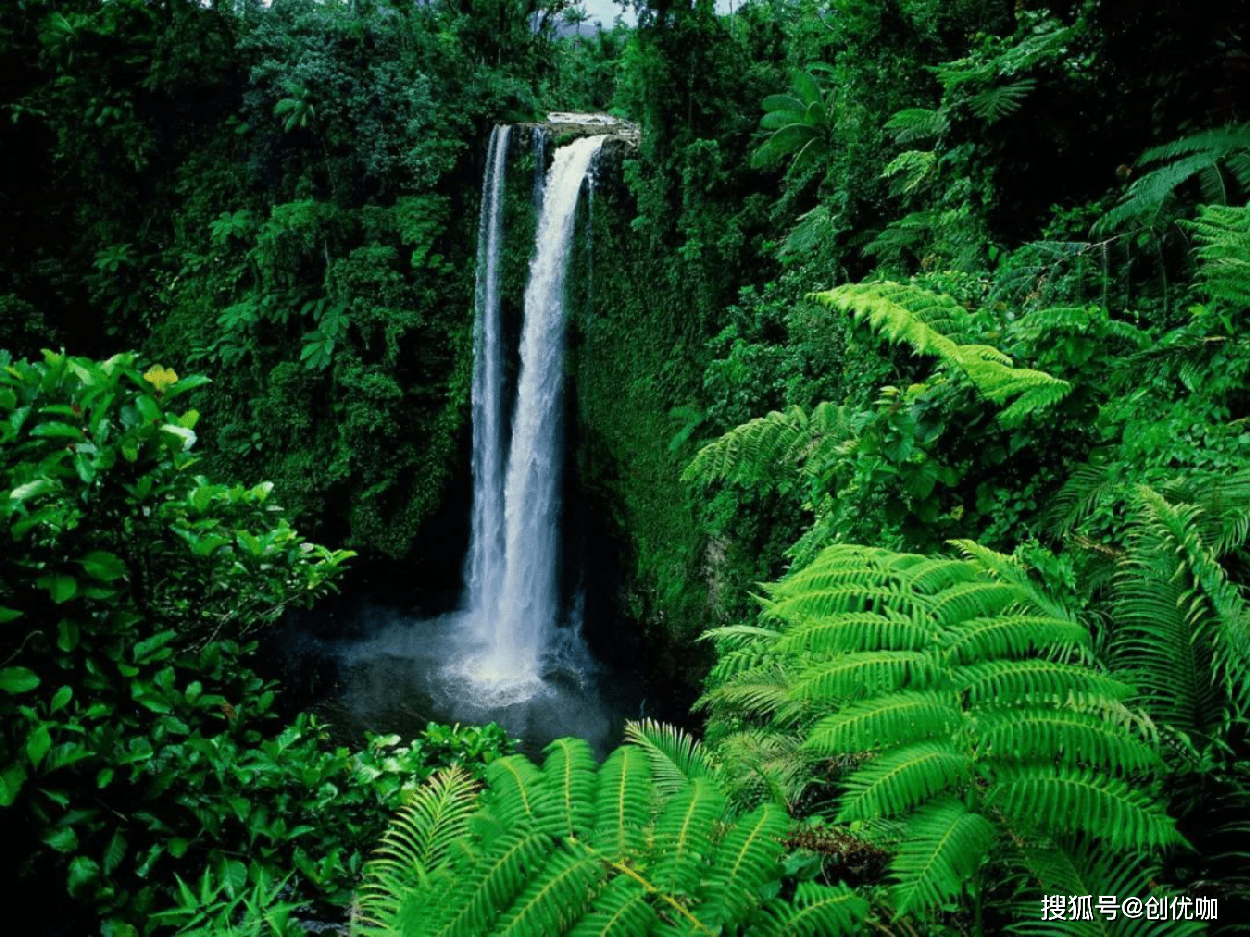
x=149, y=410
x=61, y=838
x=30, y=489
x=184, y=437
x=67, y=635
x=60, y=586
x=82, y=872
x=61, y=699
x=11, y=780
x=8, y=614
x=37, y=745
x=103, y=565
x=56, y=430
x=18, y=680
x=185, y=384
x=115, y=852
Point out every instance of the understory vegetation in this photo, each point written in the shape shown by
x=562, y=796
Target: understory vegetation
x=912, y=413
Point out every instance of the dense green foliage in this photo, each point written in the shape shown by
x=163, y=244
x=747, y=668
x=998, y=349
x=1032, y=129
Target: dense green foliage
x=138, y=741
x=642, y=845
x=874, y=278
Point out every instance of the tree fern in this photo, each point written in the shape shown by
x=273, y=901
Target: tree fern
x=675, y=757
x=1183, y=630
x=643, y=845
x=917, y=123
x=929, y=324
x=418, y=841
x=765, y=448
x=1085, y=870
x=1219, y=159
x=970, y=711
x=1223, y=236
x=945, y=846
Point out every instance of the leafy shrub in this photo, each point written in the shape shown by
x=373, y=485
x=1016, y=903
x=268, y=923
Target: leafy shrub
x=136, y=738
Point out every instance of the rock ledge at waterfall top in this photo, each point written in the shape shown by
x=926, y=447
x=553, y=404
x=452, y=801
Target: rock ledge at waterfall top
x=564, y=126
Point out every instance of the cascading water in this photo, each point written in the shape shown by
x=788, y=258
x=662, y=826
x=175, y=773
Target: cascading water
x=518, y=611
x=504, y=655
x=484, y=572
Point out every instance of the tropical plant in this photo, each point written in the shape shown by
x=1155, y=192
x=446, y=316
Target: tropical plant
x=1223, y=236
x=801, y=123
x=138, y=742
x=964, y=705
x=932, y=325
x=1219, y=159
x=642, y=845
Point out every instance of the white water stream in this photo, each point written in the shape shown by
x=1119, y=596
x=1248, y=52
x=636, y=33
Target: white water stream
x=513, y=652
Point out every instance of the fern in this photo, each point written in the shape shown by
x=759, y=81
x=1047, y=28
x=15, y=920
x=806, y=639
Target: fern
x=944, y=848
x=1223, y=236
x=675, y=757
x=993, y=104
x=964, y=701
x=917, y=123
x=643, y=845
x=418, y=841
x=765, y=449
x=910, y=170
x=928, y=324
x=1217, y=157
x=1182, y=628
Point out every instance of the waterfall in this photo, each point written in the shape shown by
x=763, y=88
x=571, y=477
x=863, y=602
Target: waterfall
x=514, y=592
x=484, y=572
x=512, y=652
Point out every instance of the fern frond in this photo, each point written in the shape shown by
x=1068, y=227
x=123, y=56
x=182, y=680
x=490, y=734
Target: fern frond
x=555, y=897
x=1227, y=628
x=817, y=911
x=479, y=892
x=1010, y=636
x=683, y=836
x=993, y=104
x=909, y=170
x=1102, y=806
x=621, y=910
x=759, y=694
x=416, y=842
x=919, y=319
x=849, y=675
x=966, y=600
x=853, y=632
x=898, y=780
x=1223, y=236
x=736, y=637
x=1183, y=160
x=898, y=718
x=512, y=789
x=760, y=765
x=623, y=806
x=569, y=780
x=917, y=123
x=1050, y=870
x=1041, y=681
x=751, y=451
x=675, y=757
x=1073, y=737
x=744, y=860
x=943, y=847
